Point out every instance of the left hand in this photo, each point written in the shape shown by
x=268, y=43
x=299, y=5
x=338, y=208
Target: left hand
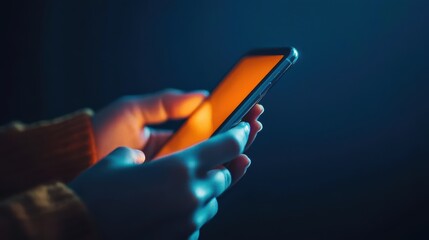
x=125, y=122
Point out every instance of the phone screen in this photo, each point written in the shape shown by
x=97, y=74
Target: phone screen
x=228, y=95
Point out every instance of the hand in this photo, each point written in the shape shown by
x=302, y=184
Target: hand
x=170, y=198
x=125, y=122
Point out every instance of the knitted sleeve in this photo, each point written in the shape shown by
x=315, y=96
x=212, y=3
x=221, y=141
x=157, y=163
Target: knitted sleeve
x=46, y=151
x=46, y=212
x=32, y=159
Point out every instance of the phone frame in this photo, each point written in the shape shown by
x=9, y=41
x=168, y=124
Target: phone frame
x=290, y=56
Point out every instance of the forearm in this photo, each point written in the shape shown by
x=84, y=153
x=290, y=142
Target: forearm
x=46, y=151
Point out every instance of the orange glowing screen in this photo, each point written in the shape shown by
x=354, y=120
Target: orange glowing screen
x=210, y=115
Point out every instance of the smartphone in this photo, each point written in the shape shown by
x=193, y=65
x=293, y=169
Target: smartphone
x=244, y=86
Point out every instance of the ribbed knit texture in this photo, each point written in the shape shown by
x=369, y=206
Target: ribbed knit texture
x=45, y=212
x=44, y=152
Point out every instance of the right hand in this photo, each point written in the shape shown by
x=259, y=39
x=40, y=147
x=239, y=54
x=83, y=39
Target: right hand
x=171, y=198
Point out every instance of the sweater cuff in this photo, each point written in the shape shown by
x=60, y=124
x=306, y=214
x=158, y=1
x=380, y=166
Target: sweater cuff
x=45, y=212
x=46, y=151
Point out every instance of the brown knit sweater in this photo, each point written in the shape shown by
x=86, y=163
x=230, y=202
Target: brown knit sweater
x=34, y=160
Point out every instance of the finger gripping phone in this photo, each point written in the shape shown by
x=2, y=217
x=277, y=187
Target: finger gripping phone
x=244, y=86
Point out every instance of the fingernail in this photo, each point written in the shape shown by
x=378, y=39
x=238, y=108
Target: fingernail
x=247, y=166
x=140, y=156
x=263, y=109
x=260, y=126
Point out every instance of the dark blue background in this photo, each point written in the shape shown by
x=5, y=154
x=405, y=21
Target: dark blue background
x=344, y=149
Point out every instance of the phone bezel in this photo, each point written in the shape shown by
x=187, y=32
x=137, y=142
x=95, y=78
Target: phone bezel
x=290, y=55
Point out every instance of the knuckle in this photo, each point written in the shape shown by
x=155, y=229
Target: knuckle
x=124, y=100
x=170, y=91
x=233, y=144
x=192, y=199
x=182, y=171
x=123, y=150
x=186, y=160
x=177, y=169
x=126, y=103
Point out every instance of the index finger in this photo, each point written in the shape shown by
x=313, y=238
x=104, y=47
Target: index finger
x=221, y=148
x=167, y=105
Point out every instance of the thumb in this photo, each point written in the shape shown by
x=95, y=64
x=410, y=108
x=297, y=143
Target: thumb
x=169, y=105
x=123, y=157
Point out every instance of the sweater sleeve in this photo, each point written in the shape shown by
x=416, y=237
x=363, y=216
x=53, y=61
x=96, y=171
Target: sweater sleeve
x=46, y=151
x=50, y=211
